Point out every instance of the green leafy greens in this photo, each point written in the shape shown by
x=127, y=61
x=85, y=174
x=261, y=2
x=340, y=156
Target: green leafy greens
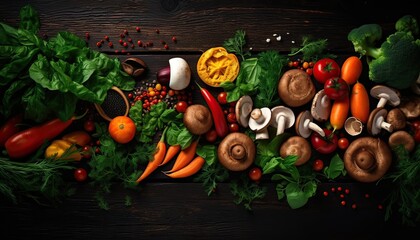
x=53, y=75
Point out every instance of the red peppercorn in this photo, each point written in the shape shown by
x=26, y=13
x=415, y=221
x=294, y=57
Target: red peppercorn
x=106, y=38
x=339, y=188
x=157, y=31
x=367, y=195
x=341, y=195
x=332, y=189
x=347, y=191
x=87, y=35
x=325, y=193
x=174, y=39
x=110, y=44
x=166, y=46
x=380, y=207
x=343, y=203
x=98, y=44
x=138, y=29
x=125, y=44
x=354, y=206
x=121, y=41
x=129, y=40
x=125, y=32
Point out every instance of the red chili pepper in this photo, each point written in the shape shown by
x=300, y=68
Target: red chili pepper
x=219, y=119
x=9, y=128
x=28, y=141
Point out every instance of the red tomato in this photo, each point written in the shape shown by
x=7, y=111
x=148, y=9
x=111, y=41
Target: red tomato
x=233, y=127
x=255, y=174
x=89, y=125
x=416, y=130
x=343, y=143
x=324, y=145
x=231, y=117
x=221, y=97
x=181, y=106
x=80, y=174
x=325, y=69
x=318, y=165
x=211, y=135
x=336, y=88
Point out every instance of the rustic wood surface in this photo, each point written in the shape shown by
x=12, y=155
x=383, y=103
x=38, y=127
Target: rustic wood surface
x=164, y=209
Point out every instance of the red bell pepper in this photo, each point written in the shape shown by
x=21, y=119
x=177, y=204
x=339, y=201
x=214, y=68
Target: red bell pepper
x=9, y=128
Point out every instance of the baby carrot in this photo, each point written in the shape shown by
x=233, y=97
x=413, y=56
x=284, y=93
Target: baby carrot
x=155, y=161
x=339, y=112
x=171, y=152
x=192, y=168
x=359, y=102
x=185, y=156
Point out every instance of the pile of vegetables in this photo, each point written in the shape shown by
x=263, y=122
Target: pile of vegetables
x=203, y=142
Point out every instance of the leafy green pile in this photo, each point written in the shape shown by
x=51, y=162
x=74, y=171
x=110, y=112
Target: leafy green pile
x=52, y=76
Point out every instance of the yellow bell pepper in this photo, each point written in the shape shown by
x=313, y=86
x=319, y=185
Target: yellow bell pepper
x=58, y=147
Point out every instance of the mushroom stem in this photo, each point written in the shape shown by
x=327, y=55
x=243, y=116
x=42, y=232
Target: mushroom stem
x=380, y=123
x=257, y=115
x=314, y=127
x=382, y=101
x=281, y=123
x=262, y=134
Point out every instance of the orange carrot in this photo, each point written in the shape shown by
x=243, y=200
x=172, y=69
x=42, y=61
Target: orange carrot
x=192, y=168
x=339, y=112
x=170, y=153
x=359, y=102
x=155, y=161
x=185, y=156
x=351, y=70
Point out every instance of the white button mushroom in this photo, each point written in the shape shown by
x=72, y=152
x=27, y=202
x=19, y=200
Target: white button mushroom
x=305, y=125
x=376, y=122
x=353, y=126
x=321, y=106
x=258, y=122
x=282, y=118
x=385, y=95
x=243, y=109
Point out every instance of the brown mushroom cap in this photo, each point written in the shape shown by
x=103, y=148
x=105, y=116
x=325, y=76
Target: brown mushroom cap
x=297, y=146
x=236, y=151
x=296, y=88
x=402, y=138
x=197, y=119
x=396, y=118
x=410, y=105
x=367, y=159
x=377, y=121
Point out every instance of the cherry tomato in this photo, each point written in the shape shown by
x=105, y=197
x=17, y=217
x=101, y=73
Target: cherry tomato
x=343, y=143
x=415, y=125
x=325, y=69
x=87, y=152
x=89, y=125
x=255, y=174
x=231, y=117
x=181, y=106
x=80, y=174
x=318, y=165
x=211, y=135
x=221, y=97
x=324, y=145
x=336, y=88
x=233, y=127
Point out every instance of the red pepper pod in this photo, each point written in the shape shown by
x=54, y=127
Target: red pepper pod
x=28, y=141
x=216, y=110
x=9, y=128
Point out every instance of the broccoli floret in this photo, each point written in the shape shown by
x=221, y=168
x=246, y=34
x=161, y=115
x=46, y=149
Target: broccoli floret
x=394, y=62
x=407, y=24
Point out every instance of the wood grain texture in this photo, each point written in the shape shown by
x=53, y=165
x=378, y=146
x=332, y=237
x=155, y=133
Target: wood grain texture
x=168, y=209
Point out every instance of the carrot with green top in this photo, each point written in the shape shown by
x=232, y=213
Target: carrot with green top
x=157, y=159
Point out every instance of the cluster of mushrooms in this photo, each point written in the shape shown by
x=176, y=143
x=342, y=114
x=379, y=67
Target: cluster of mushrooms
x=367, y=158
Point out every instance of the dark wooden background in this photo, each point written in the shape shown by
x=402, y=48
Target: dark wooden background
x=165, y=209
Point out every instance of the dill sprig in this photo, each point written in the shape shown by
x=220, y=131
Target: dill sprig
x=311, y=49
x=39, y=180
x=404, y=196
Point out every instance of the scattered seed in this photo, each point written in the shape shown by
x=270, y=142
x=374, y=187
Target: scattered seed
x=278, y=38
x=268, y=40
x=274, y=34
